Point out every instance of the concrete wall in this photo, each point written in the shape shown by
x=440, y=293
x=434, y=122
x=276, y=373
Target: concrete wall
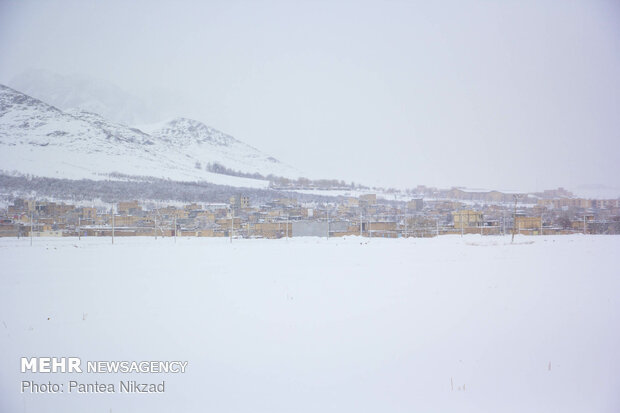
x=310, y=228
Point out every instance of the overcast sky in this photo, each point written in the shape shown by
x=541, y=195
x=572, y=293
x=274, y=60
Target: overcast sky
x=509, y=95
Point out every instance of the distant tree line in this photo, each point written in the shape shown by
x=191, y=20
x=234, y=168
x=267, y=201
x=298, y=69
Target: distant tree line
x=126, y=187
x=280, y=182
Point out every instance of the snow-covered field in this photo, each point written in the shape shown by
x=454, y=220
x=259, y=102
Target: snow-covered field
x=448, y=324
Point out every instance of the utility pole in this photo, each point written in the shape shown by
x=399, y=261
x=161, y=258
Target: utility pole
x=361, y=222
x=79, y=228
x=514, y=220
x=232, y=222
x=287, y=227
x=155, y=220
x=31, y=226
x=437, y=223
x=327, y=222
x=584, y=224
x=112, y=224
x=175, y=228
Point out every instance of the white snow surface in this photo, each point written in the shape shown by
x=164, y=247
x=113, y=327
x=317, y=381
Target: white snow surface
x=356, y=193
x=449, y=324
x=41, y=140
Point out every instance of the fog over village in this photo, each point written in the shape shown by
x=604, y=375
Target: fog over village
x=309, y=206
x=520, y=98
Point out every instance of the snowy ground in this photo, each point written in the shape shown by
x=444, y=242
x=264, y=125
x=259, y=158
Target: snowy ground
x=448, y=324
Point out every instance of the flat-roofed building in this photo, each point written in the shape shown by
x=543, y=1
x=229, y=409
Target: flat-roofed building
x=467, y=218
x=523, y=222
x=368, y=199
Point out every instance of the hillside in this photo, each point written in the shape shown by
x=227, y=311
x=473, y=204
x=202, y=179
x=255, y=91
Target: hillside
x=78, y=92
x=41, y=140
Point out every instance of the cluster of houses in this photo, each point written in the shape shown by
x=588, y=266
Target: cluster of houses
x=363, y=215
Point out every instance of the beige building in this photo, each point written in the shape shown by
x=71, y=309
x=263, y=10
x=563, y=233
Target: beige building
x=522, y=222
x=467, y=219
x=353, y=202
x=369, y=199
x=240, y=202
x=128, y=207
x=415, y=205
x=88, y=213
x=271, y=229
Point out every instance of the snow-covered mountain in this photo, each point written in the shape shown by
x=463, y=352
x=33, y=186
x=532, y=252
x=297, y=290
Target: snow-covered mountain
x=76, y=92
x=40, y=139
x=209, y=145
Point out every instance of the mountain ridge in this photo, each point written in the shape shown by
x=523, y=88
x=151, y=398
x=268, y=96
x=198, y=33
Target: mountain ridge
x=40, y=139
x=79, y=92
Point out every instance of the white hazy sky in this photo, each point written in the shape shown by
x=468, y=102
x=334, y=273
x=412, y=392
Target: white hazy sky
x=511, y=95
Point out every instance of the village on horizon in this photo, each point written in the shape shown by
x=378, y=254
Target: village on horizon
x=424, y=214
